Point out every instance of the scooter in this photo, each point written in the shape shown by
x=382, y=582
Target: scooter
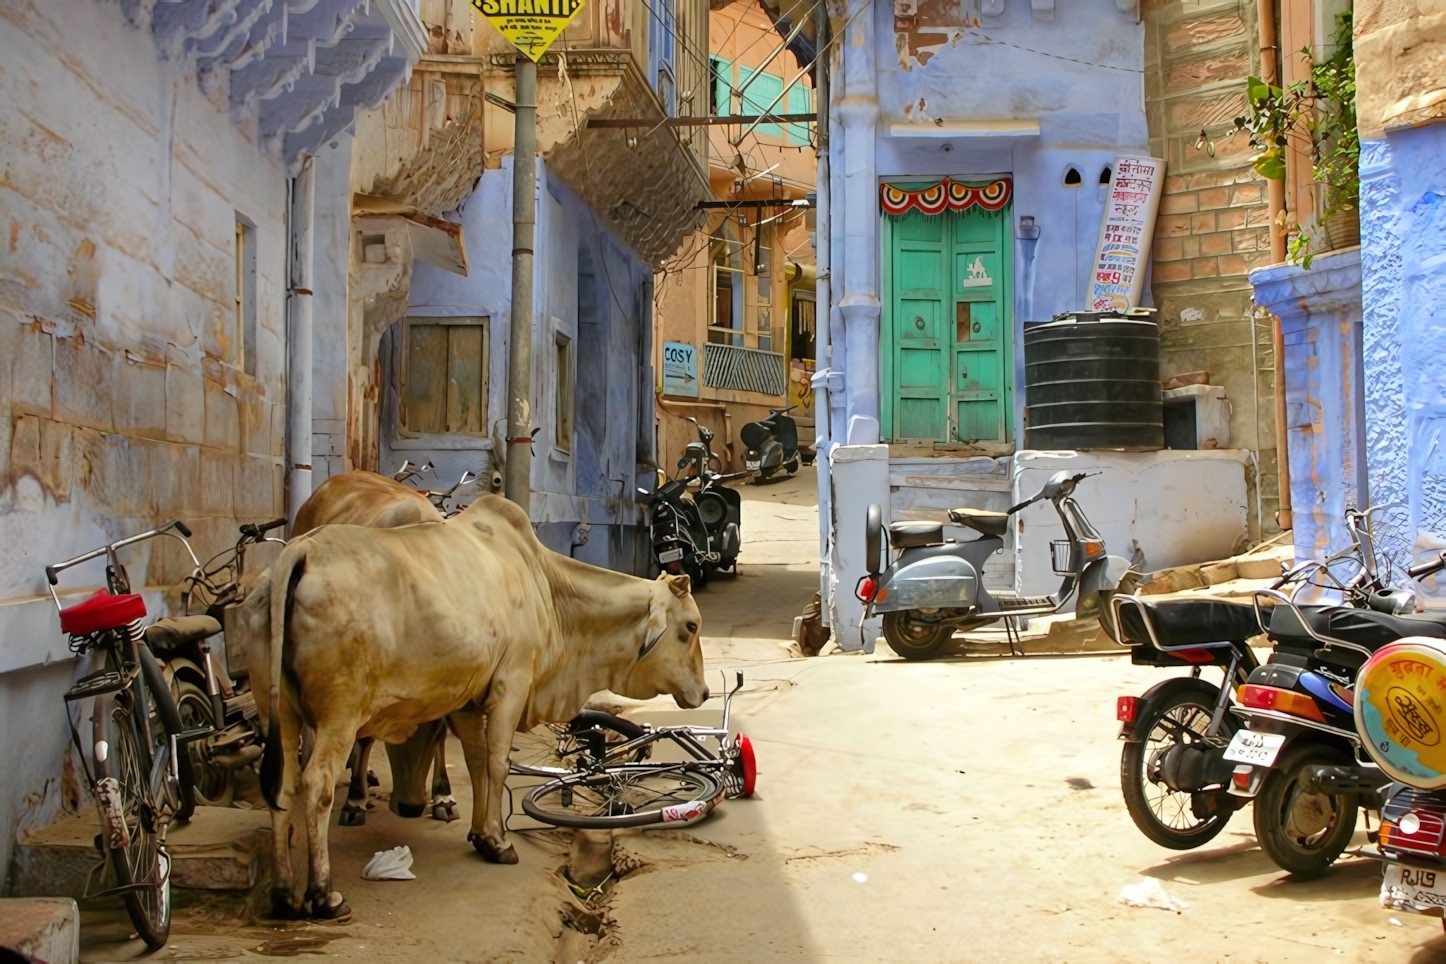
x=934, y=585
x=772, y=445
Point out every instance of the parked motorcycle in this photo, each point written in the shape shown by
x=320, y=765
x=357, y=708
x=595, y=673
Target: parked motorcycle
x=934, y=585
x=772, y=445
x=695, y=534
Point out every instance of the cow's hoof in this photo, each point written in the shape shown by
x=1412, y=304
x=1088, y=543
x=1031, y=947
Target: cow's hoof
x=332, y=907
x=489, y=851
x=411, y=810
x=283, y=909
x=445, y=810
x=351, y=816
x=372, y=780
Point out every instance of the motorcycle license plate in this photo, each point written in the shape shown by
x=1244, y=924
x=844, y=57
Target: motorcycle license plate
x=672, y=555
x=1259, y=749
x=1418, y=891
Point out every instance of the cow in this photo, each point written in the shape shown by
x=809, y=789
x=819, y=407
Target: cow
x=375, y=632
x=367, y=499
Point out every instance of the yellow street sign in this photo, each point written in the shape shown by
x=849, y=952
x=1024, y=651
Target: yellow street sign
x=529, y=25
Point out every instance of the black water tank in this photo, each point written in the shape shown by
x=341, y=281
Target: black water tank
x=1092, y=381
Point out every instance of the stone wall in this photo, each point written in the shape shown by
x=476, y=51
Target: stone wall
x=125, y=398
x=1213, y=226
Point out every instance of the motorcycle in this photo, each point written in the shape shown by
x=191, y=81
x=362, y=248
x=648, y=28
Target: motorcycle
x=772, y=445
x=934, y=586
x=698, y=534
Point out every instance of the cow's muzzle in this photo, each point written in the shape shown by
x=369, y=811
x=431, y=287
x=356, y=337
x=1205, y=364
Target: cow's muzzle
x=691, y=701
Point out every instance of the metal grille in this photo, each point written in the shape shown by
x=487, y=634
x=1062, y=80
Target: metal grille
x=744, y=369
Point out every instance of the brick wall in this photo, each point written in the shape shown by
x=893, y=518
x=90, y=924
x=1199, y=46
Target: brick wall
x=1213, y=224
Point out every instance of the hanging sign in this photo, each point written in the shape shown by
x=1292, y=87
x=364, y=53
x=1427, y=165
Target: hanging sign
x=1126, y=231
x=947, y=195
x=529, y=25
x=680, y=369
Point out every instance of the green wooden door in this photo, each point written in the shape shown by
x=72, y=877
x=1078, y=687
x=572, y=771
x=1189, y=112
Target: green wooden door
x=947, y=328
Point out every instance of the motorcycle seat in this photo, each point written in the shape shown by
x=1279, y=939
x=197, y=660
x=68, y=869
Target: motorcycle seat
x=172, y=632
x=981, y=520
x=1187, y=622
x=1363, y=627
x=907, y=535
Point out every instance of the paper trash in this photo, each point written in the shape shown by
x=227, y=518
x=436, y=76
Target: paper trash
x=391, y=864
x=1150, y=893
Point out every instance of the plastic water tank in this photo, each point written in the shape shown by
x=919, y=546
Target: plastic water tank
x=1092, y=381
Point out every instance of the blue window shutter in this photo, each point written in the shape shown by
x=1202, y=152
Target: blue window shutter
x=723, y=86
x=759, y=95
x=800, y=100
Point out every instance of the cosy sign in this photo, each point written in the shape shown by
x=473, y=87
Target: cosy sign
x=529, y=25
x=1126, y=231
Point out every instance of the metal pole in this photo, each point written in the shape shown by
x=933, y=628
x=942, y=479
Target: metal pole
x=517, y=483
x=822, y=302
x=298, y=362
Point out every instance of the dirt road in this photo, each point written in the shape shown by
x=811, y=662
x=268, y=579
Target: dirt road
x=965, y=809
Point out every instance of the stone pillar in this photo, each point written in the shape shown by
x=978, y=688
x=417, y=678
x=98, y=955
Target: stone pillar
x=859, y=114
x=860, y=475
x=1320, y=317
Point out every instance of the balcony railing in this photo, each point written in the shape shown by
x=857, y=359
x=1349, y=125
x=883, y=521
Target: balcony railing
x=744, y=369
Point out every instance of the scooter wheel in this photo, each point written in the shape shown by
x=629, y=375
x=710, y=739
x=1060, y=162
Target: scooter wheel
x=914, y=638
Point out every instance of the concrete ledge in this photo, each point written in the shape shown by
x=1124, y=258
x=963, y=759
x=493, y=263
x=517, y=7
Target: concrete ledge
x=45, y=928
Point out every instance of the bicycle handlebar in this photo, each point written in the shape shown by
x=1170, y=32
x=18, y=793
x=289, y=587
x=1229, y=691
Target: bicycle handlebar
x=257, y=530
x=1427, y=568
x=52, y=572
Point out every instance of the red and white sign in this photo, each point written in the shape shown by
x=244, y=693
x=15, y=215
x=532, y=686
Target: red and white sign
x=1128, y=227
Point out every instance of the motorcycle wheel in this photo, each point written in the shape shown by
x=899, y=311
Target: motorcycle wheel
x=214, y=786
x=1168, y=816
x=914, y=638
x=1303, y=832
x=792, y=466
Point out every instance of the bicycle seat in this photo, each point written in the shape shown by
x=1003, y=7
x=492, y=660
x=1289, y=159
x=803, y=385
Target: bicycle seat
x=1187, y=622
x=981, y=520
x=907, y=535
x=100, y=612
x=172, y=632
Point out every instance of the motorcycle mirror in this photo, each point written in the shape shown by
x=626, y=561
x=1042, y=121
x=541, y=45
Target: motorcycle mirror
x=873, y=538
x=683, y=463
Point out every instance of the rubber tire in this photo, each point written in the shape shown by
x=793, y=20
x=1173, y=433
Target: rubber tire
x=923, y=645
x=154, y=935
x=706, y=788
x=183, y=690
x=1270, y=804
x=170, y=719
x=1132, y=765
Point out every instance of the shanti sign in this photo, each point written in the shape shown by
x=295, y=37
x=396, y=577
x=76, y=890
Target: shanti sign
x=529, y=25
x=1126, y=231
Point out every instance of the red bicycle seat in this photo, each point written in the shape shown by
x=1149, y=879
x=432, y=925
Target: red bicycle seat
x=101, y=612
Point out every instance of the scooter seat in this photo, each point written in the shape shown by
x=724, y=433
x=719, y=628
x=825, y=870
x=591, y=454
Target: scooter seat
x=172, y=632
x=907, y=535
x=981, y=520
x=1187, y=622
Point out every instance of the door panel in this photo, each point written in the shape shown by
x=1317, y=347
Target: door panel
x=978, y=421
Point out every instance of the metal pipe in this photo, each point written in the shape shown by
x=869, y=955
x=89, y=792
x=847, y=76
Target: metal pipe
x=822, y=302
x=518, y=480
x=1283, y=516
x=1275, y=196
x=298, y=354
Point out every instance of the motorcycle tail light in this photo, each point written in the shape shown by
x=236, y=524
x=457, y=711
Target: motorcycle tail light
x=1241, y=776
x=1127, y=709
x=1281, y=700
x=866, y=588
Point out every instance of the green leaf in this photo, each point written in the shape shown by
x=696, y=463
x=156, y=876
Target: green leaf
x=1270, y=165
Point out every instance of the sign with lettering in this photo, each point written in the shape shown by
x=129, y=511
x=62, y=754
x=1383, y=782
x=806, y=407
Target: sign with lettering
x=1126, y=231
x=680, y=369
x=529, y=25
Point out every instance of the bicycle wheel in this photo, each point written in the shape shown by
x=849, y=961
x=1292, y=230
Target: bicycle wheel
x=133, y=830
x=165, y=721
x=632, y=797
x=555, y=749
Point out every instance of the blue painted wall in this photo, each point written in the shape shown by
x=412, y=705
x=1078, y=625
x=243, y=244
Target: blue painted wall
x=1403, y=196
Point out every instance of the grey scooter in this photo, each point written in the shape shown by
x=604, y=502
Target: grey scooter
x=933, y=586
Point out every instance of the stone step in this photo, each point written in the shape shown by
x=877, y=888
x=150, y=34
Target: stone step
x=45, y=928
x=220, y=849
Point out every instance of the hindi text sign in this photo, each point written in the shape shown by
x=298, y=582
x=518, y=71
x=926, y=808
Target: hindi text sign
x=529, y=25
x=1126, y=231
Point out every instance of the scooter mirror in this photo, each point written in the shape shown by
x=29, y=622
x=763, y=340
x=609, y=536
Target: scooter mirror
x=873, y=539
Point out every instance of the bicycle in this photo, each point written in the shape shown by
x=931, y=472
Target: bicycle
x=607, y=782
x=141, y=779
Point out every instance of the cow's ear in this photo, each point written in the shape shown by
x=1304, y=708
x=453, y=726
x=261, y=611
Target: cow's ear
x=654, y=627
x=681, y=585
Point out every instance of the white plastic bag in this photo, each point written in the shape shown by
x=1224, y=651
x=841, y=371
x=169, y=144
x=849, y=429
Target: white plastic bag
x=1149, y=892
x=391, y=864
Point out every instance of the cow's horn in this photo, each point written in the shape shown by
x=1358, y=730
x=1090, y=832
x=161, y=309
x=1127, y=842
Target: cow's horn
x=681, y=585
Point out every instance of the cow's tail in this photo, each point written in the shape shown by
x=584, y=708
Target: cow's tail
x=284, y=577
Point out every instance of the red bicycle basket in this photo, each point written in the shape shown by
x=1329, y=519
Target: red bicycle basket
x=101, y=612
x=750, y=767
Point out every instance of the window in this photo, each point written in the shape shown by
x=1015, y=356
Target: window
x=720, y=90
x=759, y=97
x=246, y=293
x=1072, y=178
x=663, y=28
x=800, y=101
x=562, y=376
x=445, y=377
x=763, y=268
x=726, y=325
